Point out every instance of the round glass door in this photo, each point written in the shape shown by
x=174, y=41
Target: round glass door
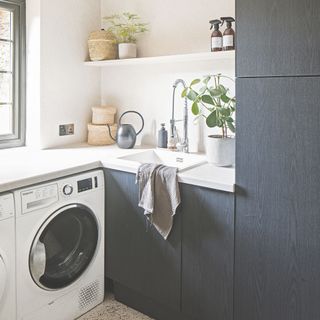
x=3, y=277
x=64, y=247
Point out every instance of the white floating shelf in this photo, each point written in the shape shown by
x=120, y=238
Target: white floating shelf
x=201, y=57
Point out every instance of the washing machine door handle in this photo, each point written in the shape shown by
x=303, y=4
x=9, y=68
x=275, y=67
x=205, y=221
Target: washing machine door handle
x=38, y=261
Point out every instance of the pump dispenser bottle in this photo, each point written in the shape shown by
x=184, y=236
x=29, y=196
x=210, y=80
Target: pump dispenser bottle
x=162, y=137
x=229, y=34
x=216, y=36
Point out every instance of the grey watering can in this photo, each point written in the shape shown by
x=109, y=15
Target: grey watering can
x=126, y=134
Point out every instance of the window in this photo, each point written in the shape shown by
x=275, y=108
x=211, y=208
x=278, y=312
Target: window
x=12, y=73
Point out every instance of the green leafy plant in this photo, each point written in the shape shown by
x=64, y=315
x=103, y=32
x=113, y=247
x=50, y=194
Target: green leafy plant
x=211, y=100
x=126, y=26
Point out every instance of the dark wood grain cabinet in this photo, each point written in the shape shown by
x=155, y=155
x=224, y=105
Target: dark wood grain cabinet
x=189, y=276
x=207, y=253
x=136, y=255
x=277, y=236
x=278, y=38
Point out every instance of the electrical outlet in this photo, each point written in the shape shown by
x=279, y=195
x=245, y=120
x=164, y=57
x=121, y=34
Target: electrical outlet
x=66, y=129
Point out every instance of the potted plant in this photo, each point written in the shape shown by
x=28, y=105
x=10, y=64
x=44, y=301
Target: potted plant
x=212, y=100
x=126, y=27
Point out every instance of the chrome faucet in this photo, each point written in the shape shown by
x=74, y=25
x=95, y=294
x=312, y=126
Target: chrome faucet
x=184, y=144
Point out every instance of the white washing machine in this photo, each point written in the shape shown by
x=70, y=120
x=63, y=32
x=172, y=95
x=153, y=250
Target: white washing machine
x=60, y=247
x=7, y=258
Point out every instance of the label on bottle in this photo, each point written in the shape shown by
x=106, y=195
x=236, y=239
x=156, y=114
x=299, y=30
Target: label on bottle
x=228, y=41
x=216, y=42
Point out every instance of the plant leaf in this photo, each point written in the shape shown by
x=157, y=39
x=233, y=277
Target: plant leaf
x=225, y=98
x=195, y=109
x=192, y=95
x=231, y=126
x=208, y=99
x=184, y=92
x=194, y=82
x=225, y=112
x=207, y=79
x=215, y=92
x=222, y=89
x=212, y=120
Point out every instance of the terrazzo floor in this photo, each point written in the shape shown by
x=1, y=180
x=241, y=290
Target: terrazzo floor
x=111, y=309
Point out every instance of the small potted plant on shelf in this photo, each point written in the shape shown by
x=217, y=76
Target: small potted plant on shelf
x=126, y=27
x=212, y=100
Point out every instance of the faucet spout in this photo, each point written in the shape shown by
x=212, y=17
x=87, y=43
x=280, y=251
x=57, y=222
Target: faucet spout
x=184, y=144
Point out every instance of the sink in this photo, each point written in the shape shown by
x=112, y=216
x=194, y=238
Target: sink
x=182, y=161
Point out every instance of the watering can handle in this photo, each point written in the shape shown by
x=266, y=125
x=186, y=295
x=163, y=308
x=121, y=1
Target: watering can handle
x=138, y=115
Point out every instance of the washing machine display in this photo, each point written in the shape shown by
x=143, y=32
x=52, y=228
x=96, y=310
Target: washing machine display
x=64, y=247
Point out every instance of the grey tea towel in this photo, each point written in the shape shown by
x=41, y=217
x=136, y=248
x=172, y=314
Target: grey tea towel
x=159, y=195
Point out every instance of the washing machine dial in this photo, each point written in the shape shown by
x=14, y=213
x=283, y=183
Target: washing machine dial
x=67, y=190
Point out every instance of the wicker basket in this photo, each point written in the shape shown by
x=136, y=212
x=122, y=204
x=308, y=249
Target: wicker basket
x=99, y=135
x=103, y=115
x=102, y=46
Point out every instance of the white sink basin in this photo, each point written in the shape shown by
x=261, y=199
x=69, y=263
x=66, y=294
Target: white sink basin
x=182, y=161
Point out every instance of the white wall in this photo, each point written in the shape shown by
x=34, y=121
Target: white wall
x=62, y=90
x=65, y=90
x=177, y=26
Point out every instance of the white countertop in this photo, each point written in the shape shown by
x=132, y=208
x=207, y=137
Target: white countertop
x=22, y=167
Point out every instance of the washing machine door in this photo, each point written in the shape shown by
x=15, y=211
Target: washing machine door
x=64, y=247
x=3, y=278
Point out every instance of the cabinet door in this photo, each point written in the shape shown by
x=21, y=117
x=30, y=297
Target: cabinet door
x=277, y=238
x=136, y=255
x=278, y=38
x=207, y=253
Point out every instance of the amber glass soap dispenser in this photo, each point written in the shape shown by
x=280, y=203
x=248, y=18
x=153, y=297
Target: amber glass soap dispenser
x=229, y=34
x=216, y=36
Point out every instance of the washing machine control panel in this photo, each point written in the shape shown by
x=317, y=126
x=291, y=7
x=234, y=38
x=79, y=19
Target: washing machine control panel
x=6, y=206
x=39, y=198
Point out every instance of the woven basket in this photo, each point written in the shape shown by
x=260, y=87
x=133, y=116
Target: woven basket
x=103, y=115
x=102, y=46
x=98, y=135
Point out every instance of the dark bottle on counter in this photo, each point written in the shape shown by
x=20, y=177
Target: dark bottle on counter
x=216, y=36
x=162, y=137
x=229, y=34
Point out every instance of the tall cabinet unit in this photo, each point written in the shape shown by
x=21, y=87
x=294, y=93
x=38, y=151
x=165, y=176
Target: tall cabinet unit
x=277, y=237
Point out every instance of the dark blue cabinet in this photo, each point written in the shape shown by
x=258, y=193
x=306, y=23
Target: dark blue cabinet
x=187, y=277
x=278, y=38
x=138, y=259
x=277, y=237
x=207, y=253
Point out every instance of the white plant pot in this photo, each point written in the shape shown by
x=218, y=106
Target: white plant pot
x=127, y=50
x=221, y=151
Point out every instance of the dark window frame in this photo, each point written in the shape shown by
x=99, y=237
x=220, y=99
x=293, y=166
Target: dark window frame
x=17, y=138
